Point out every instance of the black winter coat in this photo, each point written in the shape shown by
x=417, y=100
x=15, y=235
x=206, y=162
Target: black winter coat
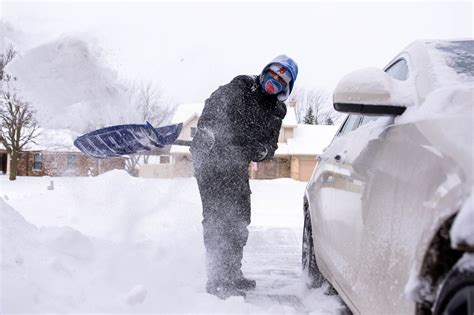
x=239, y=123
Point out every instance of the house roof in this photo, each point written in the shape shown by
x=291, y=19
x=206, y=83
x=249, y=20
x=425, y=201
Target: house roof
x=179, y=149
x=311, y=139
x=185, y=112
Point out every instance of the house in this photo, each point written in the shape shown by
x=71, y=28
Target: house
x=298, y=147
x=303, y=148
x=55, y=155
x=178, y=162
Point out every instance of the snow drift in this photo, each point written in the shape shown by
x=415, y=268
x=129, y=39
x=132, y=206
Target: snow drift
x=115, y=243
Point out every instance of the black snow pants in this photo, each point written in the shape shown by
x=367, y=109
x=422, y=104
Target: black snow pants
x=225, y=195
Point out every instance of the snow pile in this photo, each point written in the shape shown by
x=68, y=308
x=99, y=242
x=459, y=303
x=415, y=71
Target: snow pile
x=115, y=243
x=28, y=263
x=69, y=85
x=68, y=241
x=152, y=264
x=462, y=231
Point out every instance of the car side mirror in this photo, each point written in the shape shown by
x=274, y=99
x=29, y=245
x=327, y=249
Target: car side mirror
x=372, y=92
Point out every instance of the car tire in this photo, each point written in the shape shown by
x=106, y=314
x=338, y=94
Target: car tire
x=456, y=295
x=312, y=275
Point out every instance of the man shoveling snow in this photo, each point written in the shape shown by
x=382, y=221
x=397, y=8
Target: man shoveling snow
x=240, y=123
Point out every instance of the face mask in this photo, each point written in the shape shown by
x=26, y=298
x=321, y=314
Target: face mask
x=270, y=85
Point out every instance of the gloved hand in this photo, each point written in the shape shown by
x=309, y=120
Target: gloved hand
x=259, y=152
x=280, y=111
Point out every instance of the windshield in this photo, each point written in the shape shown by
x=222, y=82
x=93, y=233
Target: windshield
x=458, y=55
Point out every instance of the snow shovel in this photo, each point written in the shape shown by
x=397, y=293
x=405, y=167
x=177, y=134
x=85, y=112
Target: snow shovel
x=128, y=139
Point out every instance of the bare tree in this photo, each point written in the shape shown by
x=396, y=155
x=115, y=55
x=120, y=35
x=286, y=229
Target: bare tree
x=18, y=125
x=149, y=101
x=314, y=106
x=5, y=58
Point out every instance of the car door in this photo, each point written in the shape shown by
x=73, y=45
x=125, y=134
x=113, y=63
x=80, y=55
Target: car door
x=335, y=224
x=361, y=215
x=344, y=217
x=320, y=190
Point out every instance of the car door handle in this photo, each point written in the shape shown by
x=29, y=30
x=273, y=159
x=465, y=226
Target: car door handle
x=337, y=157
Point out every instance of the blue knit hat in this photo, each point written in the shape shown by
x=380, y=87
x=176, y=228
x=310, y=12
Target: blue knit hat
x=292, y=69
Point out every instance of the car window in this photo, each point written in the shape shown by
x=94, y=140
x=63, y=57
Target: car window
x=366, y=119
x=398, y=70
x=351, y=123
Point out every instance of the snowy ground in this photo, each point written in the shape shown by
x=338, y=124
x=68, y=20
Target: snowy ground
x=118, y=244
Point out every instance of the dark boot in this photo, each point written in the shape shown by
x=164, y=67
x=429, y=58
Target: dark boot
x=243, y=283
x=223, y=290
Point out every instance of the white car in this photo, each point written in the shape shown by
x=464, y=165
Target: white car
x=389, y=215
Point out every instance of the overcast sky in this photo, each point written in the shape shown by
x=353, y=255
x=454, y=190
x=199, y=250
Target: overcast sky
x=192, y=48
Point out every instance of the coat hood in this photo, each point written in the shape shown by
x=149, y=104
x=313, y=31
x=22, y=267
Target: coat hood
x=292, y=68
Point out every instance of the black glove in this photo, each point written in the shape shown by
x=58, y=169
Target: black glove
x=258, y=152
x=280, y=110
